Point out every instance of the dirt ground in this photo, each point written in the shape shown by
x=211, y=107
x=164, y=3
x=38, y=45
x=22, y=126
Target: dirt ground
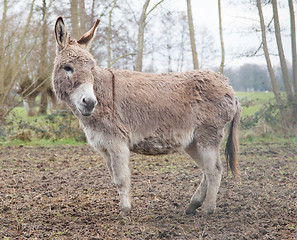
x=65, y=192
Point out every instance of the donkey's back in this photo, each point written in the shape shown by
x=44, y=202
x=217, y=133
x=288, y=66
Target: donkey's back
x=163, y=113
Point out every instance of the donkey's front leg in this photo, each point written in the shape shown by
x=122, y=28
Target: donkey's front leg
x=121, y=176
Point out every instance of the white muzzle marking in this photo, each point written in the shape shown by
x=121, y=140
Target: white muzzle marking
x=84, y=99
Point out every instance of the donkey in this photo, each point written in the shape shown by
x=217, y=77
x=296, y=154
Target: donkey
x=125, y=111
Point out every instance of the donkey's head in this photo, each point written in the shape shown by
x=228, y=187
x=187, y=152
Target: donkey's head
x=72, y=76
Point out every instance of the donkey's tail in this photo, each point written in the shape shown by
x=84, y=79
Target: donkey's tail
x=232, y=148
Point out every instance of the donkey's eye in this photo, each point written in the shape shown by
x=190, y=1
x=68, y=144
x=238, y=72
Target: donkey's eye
x=67, y=68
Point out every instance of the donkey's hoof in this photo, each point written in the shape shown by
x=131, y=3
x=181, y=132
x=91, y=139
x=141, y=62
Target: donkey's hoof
x=209, y=210
x=125, y=211
x=191, y=210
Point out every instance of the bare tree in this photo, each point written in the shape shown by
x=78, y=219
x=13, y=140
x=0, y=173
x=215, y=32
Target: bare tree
x=293, y=46
x=2, y=51
x=109, y=34
x=43, y=73
x=221, y=38
x=281, y=54
x=17, y=63
x=30, y=87
x=266, y=54
x=192, y=35
x=19, y=60
x=141, y=26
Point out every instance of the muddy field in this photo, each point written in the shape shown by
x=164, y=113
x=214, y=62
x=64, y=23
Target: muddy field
x=65, y=192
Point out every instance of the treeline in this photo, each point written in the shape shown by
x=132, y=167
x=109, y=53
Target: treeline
x=254, y=77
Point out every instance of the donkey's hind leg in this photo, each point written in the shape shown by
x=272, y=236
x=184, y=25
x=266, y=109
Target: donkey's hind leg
x=206, y=194
x=213, y=172
x=200, y=194
x=198, y=197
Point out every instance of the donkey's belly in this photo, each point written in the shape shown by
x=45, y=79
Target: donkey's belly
x=155, y=146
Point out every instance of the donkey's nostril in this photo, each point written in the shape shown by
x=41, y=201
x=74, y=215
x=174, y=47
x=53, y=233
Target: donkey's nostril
x=89, y=103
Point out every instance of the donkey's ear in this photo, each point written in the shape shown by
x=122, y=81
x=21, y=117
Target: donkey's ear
x=61, y=34
x=86, y=40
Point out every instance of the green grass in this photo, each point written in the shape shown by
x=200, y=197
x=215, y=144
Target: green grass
x=254, y=138
x=19, y=113
x=252, y=102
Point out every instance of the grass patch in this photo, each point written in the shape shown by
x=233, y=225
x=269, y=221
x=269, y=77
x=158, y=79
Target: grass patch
x=252, y=102
x=266, y=137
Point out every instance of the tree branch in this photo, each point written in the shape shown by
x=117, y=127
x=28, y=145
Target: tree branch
x=123, y=56
x=153, y=8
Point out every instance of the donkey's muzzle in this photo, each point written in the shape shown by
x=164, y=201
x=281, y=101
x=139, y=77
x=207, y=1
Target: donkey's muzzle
x=84, y=99
x=87, y=106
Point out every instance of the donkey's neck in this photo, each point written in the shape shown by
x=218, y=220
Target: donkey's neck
x=105, y=88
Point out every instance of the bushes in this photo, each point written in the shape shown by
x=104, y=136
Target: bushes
x=273, y=118
x=268, y=112
x=61, y=125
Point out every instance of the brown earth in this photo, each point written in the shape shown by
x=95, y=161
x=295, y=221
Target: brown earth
x=64, y=192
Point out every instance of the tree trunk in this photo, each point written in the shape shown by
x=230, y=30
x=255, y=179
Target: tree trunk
x=266, y=54
x=30, y=105
x=192, y=35
x=52, y=100
x=221, y=38
x=141, y=26
x=281, y=54
x=83, y=17
x=43, y=67
x=43, y=73
x=74, y=19
x=92, y=13
x=293, y=46
x=2, y=51
x=43, y=103
x=109, y=35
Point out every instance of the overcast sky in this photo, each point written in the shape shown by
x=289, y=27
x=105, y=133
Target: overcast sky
x=240, y=26
x=240, y=22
